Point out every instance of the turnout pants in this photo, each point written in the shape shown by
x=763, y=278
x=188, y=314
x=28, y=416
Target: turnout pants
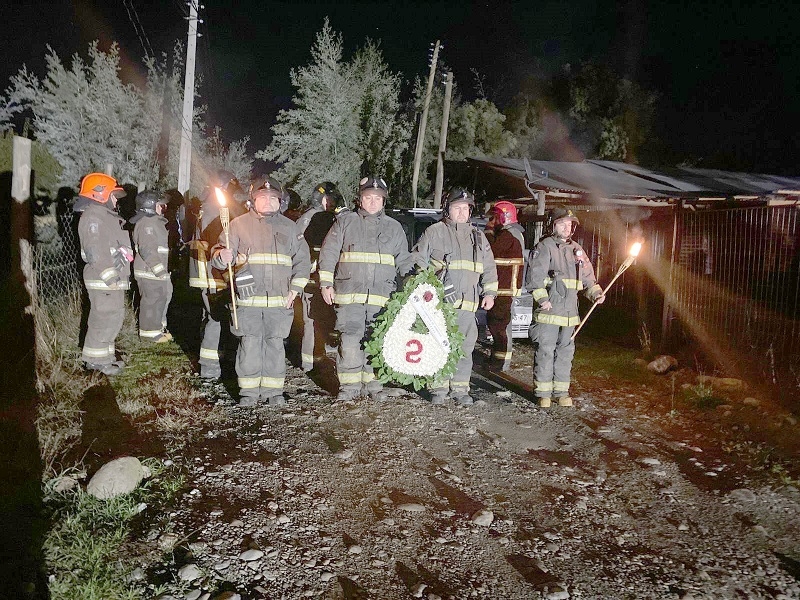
x=459, y=383
x=153, y=303
x=498, y=319
x=106, y=315
x=352, y=366
x=318, y=322
x=261, y=357
x=553, y=353
x=215, y=313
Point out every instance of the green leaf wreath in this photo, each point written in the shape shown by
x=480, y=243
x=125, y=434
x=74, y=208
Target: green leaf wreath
x=373, y=347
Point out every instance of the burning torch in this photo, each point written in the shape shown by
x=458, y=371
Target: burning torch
x=225, y=220
x=632, y=254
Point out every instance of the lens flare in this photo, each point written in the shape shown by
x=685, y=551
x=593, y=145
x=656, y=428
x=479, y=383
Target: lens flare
x=220, y=196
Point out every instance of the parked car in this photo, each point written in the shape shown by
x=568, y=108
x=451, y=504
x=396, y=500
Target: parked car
x=417, y=220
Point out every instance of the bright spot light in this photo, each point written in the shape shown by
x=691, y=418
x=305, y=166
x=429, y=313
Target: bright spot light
x=635, y=249
x=220, y=196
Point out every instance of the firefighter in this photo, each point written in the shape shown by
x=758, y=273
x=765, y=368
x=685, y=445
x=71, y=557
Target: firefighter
x=463, y=260
x=559, y=269
x=212, y=284
x=272, y=268
x=359, y=261
x=319, y=317
x=105, y=247
x=150, y=267
x=508, y=256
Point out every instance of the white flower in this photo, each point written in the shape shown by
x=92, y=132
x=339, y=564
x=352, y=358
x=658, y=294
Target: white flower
x=412, y=353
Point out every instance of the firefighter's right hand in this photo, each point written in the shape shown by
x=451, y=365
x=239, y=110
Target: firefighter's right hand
x=226, y=255
x=327, y=294
x=546, y=305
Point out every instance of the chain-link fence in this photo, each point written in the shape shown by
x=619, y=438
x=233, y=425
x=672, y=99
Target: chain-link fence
x=57, y=261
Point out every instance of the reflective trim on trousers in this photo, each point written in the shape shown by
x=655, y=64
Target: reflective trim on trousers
x=249, y=383
x=96, y=352
x=502, y=355
x=149, y=275
x=272, y=383
x=263, y=301
x=561, y=386
x=209, y=353
x=543, y=388
x=99, y=284
x=349, y=378
x=367, y=376
x=149, y=333
x=307, y=359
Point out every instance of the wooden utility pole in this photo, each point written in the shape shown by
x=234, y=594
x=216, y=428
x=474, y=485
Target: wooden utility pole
x=448, y=95
x=423, y=120
x=185, y=164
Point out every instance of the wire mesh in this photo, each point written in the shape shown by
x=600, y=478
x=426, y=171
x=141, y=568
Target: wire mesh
x=56, y=257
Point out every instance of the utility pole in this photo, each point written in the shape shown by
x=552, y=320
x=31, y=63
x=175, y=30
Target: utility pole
x=185, y=164
x=423, y=122
x=448, y=95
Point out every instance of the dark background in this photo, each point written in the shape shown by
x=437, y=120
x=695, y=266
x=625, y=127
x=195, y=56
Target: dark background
x=726, y=72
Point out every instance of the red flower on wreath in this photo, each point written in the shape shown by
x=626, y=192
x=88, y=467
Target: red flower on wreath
x=427, y=296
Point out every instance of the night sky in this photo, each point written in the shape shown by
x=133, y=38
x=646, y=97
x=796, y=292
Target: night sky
x=726, y=72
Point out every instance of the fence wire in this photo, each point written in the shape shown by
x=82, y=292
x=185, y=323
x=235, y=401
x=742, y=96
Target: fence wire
x=56, y=256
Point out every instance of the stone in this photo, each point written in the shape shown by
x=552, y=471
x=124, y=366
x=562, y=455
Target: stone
x=662, y=364
x=228, y=596
x=750, y=401
x=354, y=549
x=326, y=576
x=193, y=595
x=167, y=541
x=727, y=383
x=411, y=507
x=742, y=495
x=118, y=477
x=650, y=461
x=346, y=454
x=483, y=518
x=65, y=484
x=189, y=572
x=251, y=555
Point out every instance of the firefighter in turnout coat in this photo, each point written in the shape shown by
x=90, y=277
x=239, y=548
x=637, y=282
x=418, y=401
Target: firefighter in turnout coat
x=150, y=266
x=359, y=262
x=463, y=260
x=559, y=269
x=319, y=318
x=105, y=247
x=210, y=280
x=508, y=255
x=272, y=267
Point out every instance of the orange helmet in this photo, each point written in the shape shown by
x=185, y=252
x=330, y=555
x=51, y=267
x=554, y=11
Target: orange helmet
x=98, y=187
x=506, y=212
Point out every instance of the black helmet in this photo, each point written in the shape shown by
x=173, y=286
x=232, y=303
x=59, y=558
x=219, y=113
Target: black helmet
x=372, y=183
x=146, y=202
x=560, y=212
x=458, y=195
x=323, y=190
x=265, y=183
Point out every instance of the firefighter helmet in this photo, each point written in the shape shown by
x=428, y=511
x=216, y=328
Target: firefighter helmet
x=326, y=189
x=456, y=195
x=561, y=212
x=505, y=211
x=147, y=201
x=265, y=185
x=99, y=186
x=374, y=184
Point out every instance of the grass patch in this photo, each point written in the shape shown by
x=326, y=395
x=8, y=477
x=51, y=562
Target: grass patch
x=606, y=360
x=83, y=548
x=702, y=396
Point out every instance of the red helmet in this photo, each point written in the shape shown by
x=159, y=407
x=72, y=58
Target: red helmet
x=506, y=212
x=98, y=187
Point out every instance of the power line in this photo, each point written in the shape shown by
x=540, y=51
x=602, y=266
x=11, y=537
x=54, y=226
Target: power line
x=133, y=17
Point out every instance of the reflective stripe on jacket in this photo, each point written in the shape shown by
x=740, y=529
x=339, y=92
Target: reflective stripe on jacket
x=101, y=234
x=152, y=251
x=462, y=252
x=507, y=252
x=362, y=256
x=558, y=271
x=277, y=255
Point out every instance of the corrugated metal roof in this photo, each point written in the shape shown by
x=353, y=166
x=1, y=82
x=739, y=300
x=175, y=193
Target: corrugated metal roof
x=612, y=179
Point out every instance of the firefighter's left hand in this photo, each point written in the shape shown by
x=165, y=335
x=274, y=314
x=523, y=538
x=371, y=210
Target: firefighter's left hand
x=487, y=303
x=600, y=299
x=290, y=298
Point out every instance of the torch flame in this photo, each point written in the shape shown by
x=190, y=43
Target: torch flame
x=220, y=196
x=635, y=249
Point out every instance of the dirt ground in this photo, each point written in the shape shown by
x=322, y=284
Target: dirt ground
x=636, y=492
